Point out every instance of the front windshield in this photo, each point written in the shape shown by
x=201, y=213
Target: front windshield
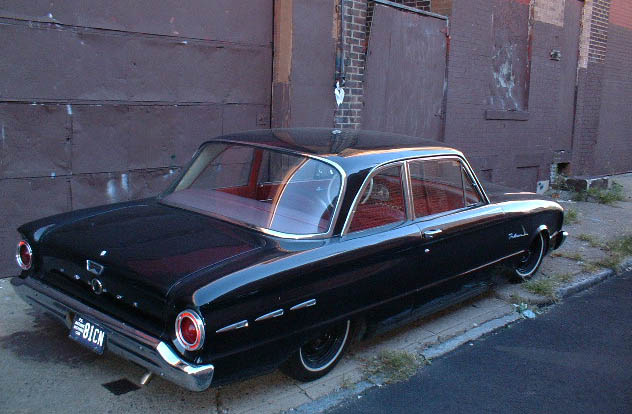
x=260, y=187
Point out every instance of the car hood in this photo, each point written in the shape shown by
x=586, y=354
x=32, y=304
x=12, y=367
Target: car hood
x=145, y=243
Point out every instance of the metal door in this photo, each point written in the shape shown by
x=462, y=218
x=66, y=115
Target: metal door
x=405, y=73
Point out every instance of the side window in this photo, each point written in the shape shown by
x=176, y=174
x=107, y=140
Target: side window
x=381, y=202
x=438, y=186
x=471, y=195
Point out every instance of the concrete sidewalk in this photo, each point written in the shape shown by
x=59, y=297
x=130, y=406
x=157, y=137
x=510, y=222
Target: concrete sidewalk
x=40, y=369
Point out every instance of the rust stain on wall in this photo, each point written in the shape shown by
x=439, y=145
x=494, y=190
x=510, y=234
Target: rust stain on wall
x=282, y=40
x=282, y=63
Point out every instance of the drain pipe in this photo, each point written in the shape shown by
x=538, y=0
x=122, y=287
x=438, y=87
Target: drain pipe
x=340, y=53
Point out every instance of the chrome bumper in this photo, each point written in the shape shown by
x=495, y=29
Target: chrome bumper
x=130, y=343
x=558, y=239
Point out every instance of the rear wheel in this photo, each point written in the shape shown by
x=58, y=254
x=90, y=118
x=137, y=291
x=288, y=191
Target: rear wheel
x=319, y=356
x=530, y=261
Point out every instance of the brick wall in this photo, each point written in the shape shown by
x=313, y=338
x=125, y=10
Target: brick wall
x=512, y=152
x=590, y=82
x=574, y=107
x=613, y=149
x=443, y=7
x=354, y=35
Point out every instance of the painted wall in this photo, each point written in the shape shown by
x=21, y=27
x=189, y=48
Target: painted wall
x=103, y=101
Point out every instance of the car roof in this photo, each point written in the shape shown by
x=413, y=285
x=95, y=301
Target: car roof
x=353, y=150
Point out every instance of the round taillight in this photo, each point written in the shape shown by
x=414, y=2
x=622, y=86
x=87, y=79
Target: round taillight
x=190, y=330
x=24, y=255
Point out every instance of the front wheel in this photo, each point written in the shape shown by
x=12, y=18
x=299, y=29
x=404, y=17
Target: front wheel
x=319, y=356
x=529, y=262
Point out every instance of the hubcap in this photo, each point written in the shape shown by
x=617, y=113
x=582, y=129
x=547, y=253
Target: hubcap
x=530, y=260
x=322, y=351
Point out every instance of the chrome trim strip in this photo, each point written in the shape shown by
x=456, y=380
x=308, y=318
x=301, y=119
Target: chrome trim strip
x=356, y=199
x=334, y=219
x=408, y=192
x=406, y=160
x=493, y=262
x=559, y=237
x=470, y=171
x=304, y=305
x=270, y=315
x=122, y=339
x=234, y=326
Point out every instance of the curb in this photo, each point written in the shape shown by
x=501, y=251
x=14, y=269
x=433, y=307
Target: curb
x=591, y=281
x=434, y=351
x=470, y=335
x=328, y=401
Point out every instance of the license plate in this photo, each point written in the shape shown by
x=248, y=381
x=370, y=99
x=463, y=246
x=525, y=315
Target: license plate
x=88, y=334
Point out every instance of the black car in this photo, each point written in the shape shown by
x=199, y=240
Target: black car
x=271, y=246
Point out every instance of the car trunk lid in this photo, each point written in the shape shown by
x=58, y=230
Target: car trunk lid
x=137, y=254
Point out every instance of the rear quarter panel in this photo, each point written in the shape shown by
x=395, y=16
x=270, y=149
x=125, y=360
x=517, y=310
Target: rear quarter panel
x=345, y=276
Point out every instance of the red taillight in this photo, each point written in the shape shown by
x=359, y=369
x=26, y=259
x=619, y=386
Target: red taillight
x=190, y=330
x=187, y=328
x=24, y=255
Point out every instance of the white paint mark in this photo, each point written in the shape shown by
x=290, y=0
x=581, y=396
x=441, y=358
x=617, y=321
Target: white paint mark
x=124, y=182
x=52, y=174
x=69, y=109
x=505, y=77
x=50, y=15
x=111, y=190
x=184, y=42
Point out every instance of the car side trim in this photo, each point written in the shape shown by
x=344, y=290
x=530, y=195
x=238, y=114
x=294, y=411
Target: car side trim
x=270, y=315
x=234, y=326
x=304, y=305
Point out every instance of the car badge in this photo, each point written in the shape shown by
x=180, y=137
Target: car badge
x=97, y=286
x=94, y=267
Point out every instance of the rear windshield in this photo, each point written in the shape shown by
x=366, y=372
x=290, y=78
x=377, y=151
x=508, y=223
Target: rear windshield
x=260, y=187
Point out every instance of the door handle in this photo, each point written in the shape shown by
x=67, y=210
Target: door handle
x=430, y=234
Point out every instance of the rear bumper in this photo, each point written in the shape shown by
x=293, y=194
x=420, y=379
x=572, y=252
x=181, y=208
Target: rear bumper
x=130, y=343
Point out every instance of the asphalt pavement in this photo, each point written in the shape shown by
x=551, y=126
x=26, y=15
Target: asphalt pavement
x=576, y=358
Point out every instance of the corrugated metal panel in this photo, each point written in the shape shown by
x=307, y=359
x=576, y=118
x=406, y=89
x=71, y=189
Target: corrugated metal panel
x=60, y=64
x=109, y=98
x=248, y=22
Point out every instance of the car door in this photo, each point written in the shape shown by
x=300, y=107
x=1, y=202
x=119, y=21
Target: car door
x=459, y=231
x=379, y=241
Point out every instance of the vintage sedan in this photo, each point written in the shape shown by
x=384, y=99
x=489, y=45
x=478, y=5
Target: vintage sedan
x=273, y=247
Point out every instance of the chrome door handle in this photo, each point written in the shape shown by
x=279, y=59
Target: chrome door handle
x=430, y=234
